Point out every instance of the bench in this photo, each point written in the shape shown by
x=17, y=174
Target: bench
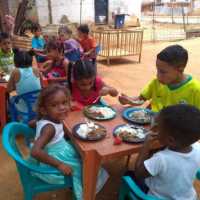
x=192, y=33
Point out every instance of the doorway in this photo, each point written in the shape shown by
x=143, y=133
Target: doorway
x=101, y=11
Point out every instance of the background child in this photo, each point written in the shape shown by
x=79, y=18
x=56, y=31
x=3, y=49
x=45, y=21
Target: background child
x=171, y=86
x=50, y=147
x=86, y=87
x=66, y=41
x=24, y=78
x=6, y=55
x=57, y=66
x=38, y=43
x=169, y=173
x=87, y=42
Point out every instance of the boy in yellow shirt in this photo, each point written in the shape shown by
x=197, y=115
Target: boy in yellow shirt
x=171, y=86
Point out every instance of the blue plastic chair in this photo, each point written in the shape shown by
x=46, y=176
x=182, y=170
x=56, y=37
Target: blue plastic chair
x=130, y=190
x=98, y=49
x=31, y=185
x=29, y=99
x=74, y=55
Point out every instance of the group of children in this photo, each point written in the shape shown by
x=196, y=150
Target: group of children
x=173, y=94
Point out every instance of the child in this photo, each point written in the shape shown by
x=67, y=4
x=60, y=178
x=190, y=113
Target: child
x=24, y=78
x=69, y=44
x=169, y=173
x=6, y=55
x=57, y=66
x=87, y=87
x=50, y=147
x=171, y=86
x=38, y=43
x=87, y=42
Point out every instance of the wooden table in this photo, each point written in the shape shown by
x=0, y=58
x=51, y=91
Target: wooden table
x=94, y=153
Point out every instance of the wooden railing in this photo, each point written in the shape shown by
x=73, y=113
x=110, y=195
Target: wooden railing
x=118, y=43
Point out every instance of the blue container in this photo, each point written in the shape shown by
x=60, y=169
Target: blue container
x=119, y=20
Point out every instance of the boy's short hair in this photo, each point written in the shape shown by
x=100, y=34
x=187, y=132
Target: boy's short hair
x=182, y=122
x=36, y=27
x=174, y=55
x=4, y=36
x=84, y=28
x=64, y=30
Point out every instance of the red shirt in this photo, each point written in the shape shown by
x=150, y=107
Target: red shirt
x=88, y=43
x=92, y=98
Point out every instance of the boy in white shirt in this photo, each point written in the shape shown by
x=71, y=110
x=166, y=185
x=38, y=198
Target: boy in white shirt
x=169, y=173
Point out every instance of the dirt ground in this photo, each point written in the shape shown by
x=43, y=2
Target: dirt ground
x=128, y=77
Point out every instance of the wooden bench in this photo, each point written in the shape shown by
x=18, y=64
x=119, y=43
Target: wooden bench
x=192, y=33
x=118, y=43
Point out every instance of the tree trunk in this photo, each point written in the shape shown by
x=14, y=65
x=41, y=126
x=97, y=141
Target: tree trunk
x=4, y=11
x=50, y=12
x=20, y=16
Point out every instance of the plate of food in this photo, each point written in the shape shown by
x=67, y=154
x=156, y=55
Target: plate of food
x=138, y=115
x=130, y=133
x=89, y=131
x=99, y=112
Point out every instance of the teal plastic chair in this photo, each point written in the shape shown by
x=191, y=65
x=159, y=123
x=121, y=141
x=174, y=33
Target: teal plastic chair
x=198, y=174
x=31, y=185
x=130, y=190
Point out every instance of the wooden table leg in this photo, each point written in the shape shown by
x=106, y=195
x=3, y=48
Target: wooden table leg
x=91, y=166
x=3, y=110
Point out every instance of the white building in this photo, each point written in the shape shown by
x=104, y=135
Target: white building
x=99, y=11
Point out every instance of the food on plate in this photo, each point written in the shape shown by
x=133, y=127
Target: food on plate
x=137, y=101
x=90, y=131
x=130, y=133
x=140, y=116
x=100, y=112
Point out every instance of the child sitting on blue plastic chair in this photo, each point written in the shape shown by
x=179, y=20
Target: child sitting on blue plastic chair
x=169, y=173
x=24, y=78
x=50, y=148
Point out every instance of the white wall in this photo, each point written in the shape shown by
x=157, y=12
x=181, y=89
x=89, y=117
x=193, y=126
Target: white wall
x=42, y=11
x=131, y=7
x=71, y=8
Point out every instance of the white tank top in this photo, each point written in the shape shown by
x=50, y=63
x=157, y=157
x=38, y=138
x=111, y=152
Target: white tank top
x=59, y=131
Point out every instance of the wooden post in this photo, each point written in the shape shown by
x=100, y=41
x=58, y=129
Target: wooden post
x=81, y=6
x=154, y=5
x=183, y=15
x=172, y=9
x=141, y=43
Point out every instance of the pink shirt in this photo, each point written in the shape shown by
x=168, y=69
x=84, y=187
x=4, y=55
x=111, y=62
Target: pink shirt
x=92, y=98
